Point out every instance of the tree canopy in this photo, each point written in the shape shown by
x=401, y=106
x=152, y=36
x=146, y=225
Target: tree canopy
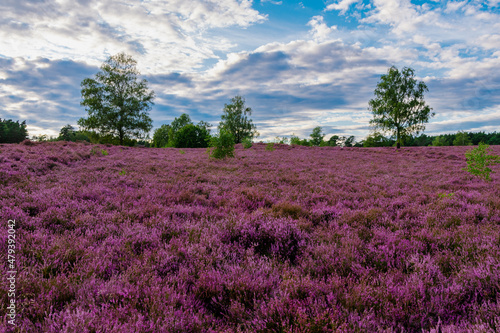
x=117, y=102
x=161, y=136
x=235, y=120
x=317, y=136
x=462, y=139
x=12, y=131
x=192, y=136
x=399, y=105
x=182, y=133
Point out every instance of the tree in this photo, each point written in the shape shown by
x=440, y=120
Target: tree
x=440, y=141
x=294, y=140
x=317, y=136
x=462, y=139
x=399, y=104
x=176, y=125
x=349, y=141
x=192, y=136
x=332, y=142
x=12, y=131
x=161, y=136
x=180, y=122
x=117, y=102
x=67, y=133
x=478, y=161
x=235, y=120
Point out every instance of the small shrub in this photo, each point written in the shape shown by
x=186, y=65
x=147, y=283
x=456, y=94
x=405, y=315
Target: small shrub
x=247, y=143
x=182, y=151
x=270, y=146
x=104, y=152
x=478, y=161
x=223, y=146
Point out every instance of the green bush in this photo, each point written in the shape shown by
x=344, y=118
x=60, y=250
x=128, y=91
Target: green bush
x=478, y=161
x=270, y=146
x=247, y=143
x=223, y=145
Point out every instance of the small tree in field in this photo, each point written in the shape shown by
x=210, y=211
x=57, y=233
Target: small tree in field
x=399, y=105
x=478, y=161
x=235, y=120
x=117, y=102
x=317, y=136
x=223, y=145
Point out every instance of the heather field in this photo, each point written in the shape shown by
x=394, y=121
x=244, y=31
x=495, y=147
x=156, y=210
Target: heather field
x=118, y=239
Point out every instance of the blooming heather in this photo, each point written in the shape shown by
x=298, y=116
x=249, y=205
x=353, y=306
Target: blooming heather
x=298, y=239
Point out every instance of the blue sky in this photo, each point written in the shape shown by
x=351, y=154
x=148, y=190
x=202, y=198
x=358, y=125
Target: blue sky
x=298, y=64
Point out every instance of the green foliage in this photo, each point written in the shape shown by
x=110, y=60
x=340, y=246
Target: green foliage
x=478, y=161
x=332, y=142
x=192, y=136
x=440, y=141
x=345, y=141
x=176, y=125
x=223, y=145
x=247, y=143
x=235, y=120
x=182, y=133
x=399, y=104
x=445, y=195
x=67, y=133
x=282, y=140
x=43, y=138
x=270, y=146
x=97, y=151
x=182, y=151
x=161, y=136
x=122, y=172
x=12, y=131
x=462, y=139
x=116, y=101
x=317, y=136
x=376, y=139
x=294, y=140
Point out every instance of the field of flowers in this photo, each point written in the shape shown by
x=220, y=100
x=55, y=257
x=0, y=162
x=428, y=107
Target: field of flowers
x=118, y=239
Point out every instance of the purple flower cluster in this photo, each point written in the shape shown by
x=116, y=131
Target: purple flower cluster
x=298, y=239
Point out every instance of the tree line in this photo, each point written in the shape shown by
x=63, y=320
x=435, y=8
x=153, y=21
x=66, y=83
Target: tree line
x=118, y=104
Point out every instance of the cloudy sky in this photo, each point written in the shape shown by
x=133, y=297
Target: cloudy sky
x=298, y=64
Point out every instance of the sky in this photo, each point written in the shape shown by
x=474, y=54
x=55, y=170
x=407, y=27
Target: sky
x=298, y=64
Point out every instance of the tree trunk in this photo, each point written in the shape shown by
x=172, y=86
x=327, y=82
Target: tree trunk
x=120, y=135
x=398, y=140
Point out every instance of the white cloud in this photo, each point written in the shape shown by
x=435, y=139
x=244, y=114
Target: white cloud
x=341, y=5
x=319, y=30
x=164, y=35
x=453, y=6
